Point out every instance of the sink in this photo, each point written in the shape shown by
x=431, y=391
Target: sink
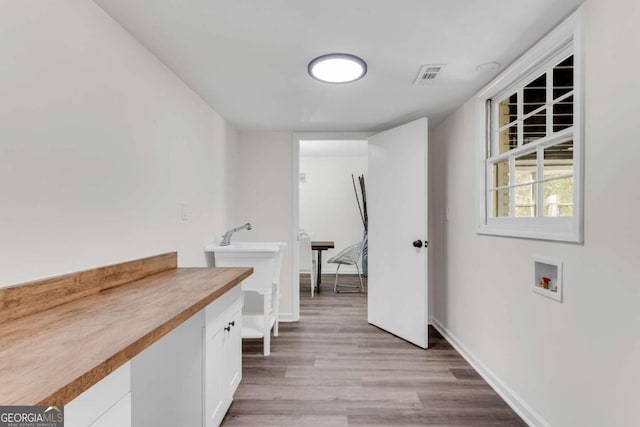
x=266, y=260
x=264, y=257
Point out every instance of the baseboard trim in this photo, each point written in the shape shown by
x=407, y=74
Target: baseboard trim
x=514, y=400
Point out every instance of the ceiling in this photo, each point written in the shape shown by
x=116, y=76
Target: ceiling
x=248, y=58
x=334, y=148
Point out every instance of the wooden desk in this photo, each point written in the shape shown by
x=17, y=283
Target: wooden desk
x=320, y=246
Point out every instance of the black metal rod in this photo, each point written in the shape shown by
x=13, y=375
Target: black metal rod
x=355, y=190
x=363, y=190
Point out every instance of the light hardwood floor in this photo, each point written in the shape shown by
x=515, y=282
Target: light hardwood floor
x=334, y=369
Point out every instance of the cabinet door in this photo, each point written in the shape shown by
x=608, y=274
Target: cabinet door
x=223, y=357
x=215, y=395
x=233, y=351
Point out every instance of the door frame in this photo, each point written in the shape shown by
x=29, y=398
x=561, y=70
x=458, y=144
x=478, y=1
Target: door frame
x=295, y=191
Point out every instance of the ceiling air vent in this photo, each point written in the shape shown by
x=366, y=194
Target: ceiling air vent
x=427, y=74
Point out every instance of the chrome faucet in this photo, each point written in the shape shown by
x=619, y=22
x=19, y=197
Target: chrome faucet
x=226, y=237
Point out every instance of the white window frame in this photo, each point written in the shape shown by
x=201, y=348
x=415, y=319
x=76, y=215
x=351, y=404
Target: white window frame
x=565, y=39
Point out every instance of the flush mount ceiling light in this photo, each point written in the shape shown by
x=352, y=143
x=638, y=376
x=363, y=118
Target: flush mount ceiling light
x=337, y=68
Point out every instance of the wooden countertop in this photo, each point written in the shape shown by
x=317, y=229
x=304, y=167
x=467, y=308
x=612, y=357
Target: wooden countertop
x=52, y=356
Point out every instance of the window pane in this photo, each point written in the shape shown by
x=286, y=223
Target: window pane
x=501, y=174
x=535, y=127
x=526, y=168
x=563, y=114
x=501, y=202
x=558, y=192
x=558, y=197
x=525, y=201
x=535, y=94
x=508, y=139
x=508, y=110
x=563, y=78
x=558, y=160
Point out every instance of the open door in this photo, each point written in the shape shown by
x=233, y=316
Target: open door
x=397, y=205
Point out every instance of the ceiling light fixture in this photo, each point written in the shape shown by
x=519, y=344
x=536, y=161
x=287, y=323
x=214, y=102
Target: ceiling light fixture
x=337, y=68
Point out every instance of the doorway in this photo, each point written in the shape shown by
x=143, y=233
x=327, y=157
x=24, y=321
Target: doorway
x=331, y=172
x=315, y=155
x=397, y=297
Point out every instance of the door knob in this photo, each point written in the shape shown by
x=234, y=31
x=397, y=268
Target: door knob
x=417, y=243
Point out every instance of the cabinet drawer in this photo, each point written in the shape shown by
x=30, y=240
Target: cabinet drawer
x=217, y=312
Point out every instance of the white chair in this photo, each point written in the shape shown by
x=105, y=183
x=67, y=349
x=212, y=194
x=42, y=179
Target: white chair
x=348, y=256
x=306, y=262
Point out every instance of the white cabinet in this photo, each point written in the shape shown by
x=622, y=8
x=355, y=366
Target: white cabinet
x=222, y=356
x=186, y=378
x=107, y=403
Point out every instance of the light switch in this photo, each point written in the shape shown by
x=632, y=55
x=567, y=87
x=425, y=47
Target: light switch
x=184, y=211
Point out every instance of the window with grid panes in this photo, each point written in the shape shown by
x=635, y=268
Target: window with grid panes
x=532, y=144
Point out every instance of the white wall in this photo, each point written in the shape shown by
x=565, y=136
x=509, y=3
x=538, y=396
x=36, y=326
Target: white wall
x=328, y=206
x=575, y=363
x=263, y=196
x=99, y=145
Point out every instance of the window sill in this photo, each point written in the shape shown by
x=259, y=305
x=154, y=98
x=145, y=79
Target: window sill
x=552, y=229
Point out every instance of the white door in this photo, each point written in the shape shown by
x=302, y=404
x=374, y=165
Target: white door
x=397, y=208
